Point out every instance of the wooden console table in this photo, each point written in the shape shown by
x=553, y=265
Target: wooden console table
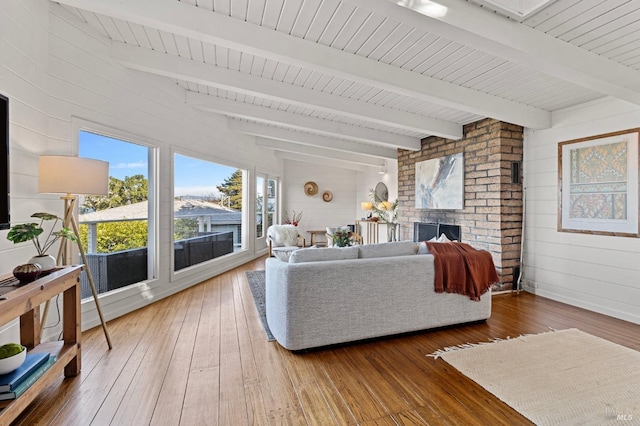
x=373, y=232
x=24, y=302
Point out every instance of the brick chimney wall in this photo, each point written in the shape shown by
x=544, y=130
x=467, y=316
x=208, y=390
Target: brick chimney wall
x=492, y=215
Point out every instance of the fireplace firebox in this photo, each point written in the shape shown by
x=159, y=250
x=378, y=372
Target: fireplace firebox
x=424, y=231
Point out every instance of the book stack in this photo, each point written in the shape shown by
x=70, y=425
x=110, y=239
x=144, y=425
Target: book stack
x=14, y=384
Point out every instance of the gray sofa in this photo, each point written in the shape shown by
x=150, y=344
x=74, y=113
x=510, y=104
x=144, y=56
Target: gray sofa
x=326, y=296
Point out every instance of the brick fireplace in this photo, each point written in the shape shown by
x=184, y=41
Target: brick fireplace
x=492, y=215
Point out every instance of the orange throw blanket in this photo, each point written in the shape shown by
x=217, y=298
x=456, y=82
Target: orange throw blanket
x=461, y=269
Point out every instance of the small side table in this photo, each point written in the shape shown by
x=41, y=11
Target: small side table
x=314, y=235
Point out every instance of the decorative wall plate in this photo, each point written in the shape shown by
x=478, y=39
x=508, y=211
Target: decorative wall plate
x=327, y=196
x=310, y=188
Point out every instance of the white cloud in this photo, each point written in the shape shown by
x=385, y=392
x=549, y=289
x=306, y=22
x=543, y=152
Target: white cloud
x=138, y=165
x=196, y=190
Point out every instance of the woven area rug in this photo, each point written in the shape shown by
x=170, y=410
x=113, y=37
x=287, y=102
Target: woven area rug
x=256, y=284
x=563, y=377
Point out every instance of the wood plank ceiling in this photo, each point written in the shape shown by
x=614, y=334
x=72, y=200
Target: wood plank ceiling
x=321, y=78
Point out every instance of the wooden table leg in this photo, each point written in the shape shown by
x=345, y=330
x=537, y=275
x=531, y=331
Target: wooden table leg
x=30, y=328
x=71, y=331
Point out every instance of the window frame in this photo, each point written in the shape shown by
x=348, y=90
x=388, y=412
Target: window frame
x=247, y=220
x=78, y=125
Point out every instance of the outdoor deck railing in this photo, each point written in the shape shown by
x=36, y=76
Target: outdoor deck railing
x=111, y=271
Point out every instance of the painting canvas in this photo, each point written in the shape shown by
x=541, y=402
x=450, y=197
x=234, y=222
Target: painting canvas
x=440, y=183
x=599, y=184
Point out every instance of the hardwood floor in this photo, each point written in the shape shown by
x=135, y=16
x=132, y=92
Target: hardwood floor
x=201, y=358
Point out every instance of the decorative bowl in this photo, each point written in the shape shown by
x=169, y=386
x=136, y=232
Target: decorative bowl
x=27, y=272
x=7, y=365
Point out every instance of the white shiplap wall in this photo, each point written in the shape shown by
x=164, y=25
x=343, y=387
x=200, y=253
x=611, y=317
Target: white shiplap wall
x=58, y=71
x=23, y=78
x=318, y=214
x=349, y=188
x=596, y=272
x=24, y=27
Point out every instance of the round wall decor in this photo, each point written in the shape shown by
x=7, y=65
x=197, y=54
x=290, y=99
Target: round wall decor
x=327, y=196
x=310, y=188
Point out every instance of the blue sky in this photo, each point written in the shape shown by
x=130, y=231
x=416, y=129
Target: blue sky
x=192, y=176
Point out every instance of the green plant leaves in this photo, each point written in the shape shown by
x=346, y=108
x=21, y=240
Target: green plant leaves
x=46, y=216
x=24, y=232
x=31, y=232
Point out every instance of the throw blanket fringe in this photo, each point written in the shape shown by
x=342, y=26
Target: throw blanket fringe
x=462, y=269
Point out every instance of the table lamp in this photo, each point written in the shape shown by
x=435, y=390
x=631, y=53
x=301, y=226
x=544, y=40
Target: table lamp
x=367, y=206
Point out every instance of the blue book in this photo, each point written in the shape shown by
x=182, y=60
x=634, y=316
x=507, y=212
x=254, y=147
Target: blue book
x=30, y=380
x=9, y=381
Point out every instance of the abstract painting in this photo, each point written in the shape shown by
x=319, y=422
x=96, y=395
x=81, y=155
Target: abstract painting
x=598, y=184
x=440, y=183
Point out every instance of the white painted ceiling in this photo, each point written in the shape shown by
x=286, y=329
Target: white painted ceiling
x=357, y=79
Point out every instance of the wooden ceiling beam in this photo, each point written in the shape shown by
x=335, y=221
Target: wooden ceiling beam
x=310, y=139
x=328, y=162
x=210, y=75
x=300, y=122
x=283, y=146
x=481, y=29
x=210, y=27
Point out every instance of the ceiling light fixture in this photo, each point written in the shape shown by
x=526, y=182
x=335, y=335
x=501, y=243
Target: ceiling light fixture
x=425, y=7
x=383, y=168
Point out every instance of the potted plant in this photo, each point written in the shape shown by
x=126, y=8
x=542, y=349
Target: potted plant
x=341, y=238
x=32, y=231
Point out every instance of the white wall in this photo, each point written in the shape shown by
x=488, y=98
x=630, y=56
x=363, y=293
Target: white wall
x=318, y=214
x=56, y=71
x=24, y=27
x=349, y=188
x=596, y=272
x=368, y=180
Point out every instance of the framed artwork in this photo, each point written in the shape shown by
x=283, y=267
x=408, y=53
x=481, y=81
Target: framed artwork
x=598, y=184
x=440, y=183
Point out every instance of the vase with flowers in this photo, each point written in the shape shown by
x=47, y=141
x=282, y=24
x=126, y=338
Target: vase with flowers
x=294, y=219
x=32, y=231
x=341, y=238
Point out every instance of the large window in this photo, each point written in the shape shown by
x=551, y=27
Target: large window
x=272, y=201
x=115, y=229
x=207, y=214
x=266, y=205
x=260, y=207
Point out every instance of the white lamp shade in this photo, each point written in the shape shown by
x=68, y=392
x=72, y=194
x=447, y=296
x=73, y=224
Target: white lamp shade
x=59, y=174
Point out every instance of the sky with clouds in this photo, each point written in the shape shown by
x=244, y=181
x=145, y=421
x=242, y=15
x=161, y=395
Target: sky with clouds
x=192, y=176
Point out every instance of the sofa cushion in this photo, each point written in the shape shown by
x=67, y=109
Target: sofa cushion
x=323, y=254
x=422, y=248
x=395, y=248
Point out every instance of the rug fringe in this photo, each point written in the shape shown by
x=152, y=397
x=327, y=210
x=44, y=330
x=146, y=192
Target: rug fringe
x=437, y=354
